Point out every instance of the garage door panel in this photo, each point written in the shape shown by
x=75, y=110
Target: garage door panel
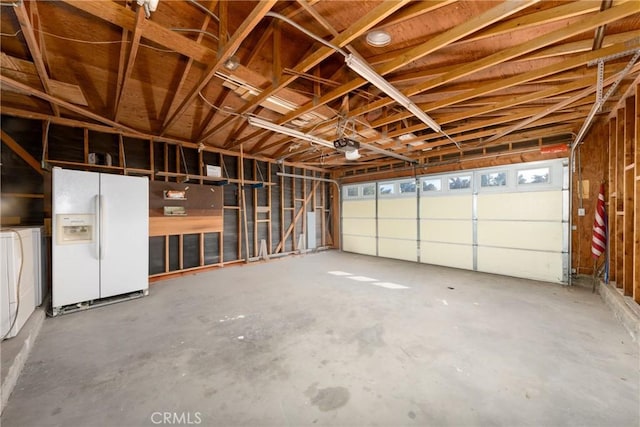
x=398, y=249
x=398, y=208
x=446, y=231
x=446, y=207
x=359, y=209
x=398, y=228
x=360, y=226
x=535, y=265
x=359, y=244
x=532, y=205
x=446, y=254
x=521, y=234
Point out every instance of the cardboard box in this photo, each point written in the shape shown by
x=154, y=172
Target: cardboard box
x=215, y=171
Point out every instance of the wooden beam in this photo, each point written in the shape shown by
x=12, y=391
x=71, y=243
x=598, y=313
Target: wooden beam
x=133, y=52
x=628, y=197
x=16, y=112
x=586, y=24
x=243, y=31
x=39, y=94
x=441, y=40
x=556, y=107
x=32, y=44
x=636, y=227
x=125, y=18
x=503, y=84
x=21, y=152
x=358, y=28
x=188, y=65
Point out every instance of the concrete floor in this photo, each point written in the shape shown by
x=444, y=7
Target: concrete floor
x=286, y=343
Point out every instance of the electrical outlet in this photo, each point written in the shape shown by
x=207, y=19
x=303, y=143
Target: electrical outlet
x=580, y=211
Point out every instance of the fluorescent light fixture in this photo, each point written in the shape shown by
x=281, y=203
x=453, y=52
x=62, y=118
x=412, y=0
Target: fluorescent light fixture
x=369, y=74
x=254, y=121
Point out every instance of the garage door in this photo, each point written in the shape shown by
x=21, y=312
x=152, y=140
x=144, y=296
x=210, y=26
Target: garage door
x=511, y=220
x=522, y=221
x=446, y=229
x=397, y=220
x=359, y=233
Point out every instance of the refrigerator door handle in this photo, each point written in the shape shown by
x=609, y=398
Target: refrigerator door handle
x=103, y=212
x=99, y=236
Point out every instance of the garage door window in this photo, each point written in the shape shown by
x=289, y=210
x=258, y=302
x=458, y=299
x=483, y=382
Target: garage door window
x=534, y=176
x=459, y=182
x=369, y=190
x=431, y=185
x=493, y=179
x=387, y=189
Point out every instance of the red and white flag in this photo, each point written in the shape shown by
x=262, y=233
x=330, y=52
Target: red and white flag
x=599, y=239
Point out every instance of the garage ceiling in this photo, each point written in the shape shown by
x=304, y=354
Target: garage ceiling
x=490, y=73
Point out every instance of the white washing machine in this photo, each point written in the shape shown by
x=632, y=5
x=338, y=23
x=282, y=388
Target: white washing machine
x=19, y=269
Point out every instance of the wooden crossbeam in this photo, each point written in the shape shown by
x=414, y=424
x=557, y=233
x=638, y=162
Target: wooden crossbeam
x=21, y=152
x=362, y=25
x=241, y=33
x=297, y=217
x=69, y=106
x=34, y=49
x=121, y=16
x=133, y=52
x=444, y=39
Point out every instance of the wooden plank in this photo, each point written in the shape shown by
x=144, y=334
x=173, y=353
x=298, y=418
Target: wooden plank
x=362, y=25
x=152, y=161
x=636, y=211
x=121, y=16
x=69, y=106
x=441, y=40
x=34, y=49
x=17, y=112
x=133, y=52
x=245, y=28
x=166, y=253
x=180, y=251
x=269, y=195
x=629, y=195
x=172, y=225
x=21, y=152
x=67, y=92
x=611, y=224
x=22, y=195
x=189, y=64
x=619, y=177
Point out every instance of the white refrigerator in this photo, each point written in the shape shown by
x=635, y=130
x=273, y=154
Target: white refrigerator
x=100, y=236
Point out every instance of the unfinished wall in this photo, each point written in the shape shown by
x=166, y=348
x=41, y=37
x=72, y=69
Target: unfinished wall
x=610, y=154
x=256, y=204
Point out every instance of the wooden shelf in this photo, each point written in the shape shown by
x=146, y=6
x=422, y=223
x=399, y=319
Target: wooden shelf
x=208, y=178
x=23, y=195
x=172, y=225
x=84, y=165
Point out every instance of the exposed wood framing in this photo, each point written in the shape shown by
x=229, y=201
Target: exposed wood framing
x=357, y=29
x=21, y=152
x=243, y=31
x=133, y=52
x=35, y=50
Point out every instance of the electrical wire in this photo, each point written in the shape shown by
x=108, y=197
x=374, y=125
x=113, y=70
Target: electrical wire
x=10, y=35
x=15, y=318
x=101, y=42
x=222, y=110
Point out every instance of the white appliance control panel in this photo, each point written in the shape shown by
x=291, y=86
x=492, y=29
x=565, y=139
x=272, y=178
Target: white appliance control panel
x=75, y=228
